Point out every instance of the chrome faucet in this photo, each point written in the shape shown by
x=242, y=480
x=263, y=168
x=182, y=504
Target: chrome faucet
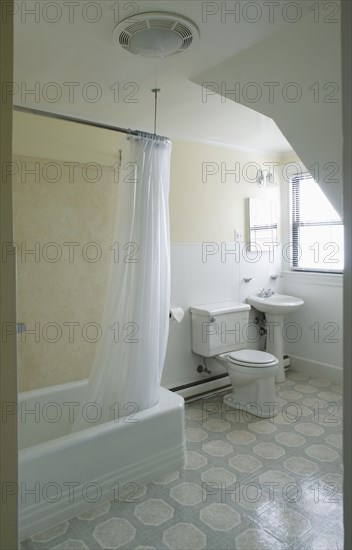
x=269, y=293
x=265, y=293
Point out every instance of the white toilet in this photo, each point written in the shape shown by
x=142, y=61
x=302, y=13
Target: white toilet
x=219, y=331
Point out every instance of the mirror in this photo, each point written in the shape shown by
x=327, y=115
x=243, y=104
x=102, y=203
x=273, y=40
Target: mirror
x=263, y=222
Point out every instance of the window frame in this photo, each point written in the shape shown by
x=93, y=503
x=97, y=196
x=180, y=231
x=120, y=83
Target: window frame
x=296, y=224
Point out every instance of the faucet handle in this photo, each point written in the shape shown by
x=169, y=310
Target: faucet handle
x=260, y=292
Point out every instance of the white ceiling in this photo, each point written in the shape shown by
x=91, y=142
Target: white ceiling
x=79, y=52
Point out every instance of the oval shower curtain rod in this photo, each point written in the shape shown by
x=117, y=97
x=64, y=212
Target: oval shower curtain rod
x=69, y=118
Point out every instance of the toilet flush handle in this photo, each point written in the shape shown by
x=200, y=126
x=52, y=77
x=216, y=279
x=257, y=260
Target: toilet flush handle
x=212, y=319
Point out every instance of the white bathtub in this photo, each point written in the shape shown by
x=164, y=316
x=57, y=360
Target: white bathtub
x=62, y=473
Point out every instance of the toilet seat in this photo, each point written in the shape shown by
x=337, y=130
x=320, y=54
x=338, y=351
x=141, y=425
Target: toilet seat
x=252, y=358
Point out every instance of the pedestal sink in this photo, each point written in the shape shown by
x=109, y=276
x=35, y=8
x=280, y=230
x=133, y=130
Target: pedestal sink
x=275, y=307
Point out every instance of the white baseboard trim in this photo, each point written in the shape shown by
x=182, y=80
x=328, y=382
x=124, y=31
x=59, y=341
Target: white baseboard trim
x=316, y=369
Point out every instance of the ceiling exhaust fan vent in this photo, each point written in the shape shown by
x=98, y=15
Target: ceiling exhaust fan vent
x=124, y=37
x=136, y=27
x=183, y=31
x=155, y=34
x=162, y=23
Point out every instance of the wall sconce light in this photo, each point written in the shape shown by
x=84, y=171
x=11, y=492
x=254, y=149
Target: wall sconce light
x=264, y=178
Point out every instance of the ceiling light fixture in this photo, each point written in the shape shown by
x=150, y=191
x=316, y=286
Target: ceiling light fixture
x=155, y=34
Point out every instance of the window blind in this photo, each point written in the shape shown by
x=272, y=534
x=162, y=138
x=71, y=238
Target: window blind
x=316, y=228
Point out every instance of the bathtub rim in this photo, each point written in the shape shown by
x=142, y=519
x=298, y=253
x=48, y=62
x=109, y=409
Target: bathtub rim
x=102, y=429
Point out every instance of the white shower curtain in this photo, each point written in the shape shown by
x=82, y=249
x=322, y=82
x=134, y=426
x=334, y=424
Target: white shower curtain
x=126, y=372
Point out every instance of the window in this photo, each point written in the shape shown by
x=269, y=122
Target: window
x=317, y=229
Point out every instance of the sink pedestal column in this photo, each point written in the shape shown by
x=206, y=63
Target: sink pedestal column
x=275, y=342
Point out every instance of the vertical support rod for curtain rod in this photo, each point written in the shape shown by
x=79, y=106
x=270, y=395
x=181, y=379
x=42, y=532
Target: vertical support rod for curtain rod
x=155, y=92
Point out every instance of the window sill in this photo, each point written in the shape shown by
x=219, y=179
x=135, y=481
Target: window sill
x=309, y=277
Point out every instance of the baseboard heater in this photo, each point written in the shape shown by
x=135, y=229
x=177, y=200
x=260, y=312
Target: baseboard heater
x=202, y=387
x=211, y=384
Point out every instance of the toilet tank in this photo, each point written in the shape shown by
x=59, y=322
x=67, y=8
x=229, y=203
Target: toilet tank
x=217, y=328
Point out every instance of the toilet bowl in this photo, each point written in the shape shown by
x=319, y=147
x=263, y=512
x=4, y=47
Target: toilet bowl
x=252, y=376
x=219, y=331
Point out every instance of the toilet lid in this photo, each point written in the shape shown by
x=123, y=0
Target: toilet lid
x=252, y=357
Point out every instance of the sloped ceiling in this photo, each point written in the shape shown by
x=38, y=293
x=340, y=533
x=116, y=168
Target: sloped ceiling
x=73, y=51
x=296, y=81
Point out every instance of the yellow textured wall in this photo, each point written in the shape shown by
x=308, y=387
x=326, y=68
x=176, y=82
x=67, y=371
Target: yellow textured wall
x=63, y=232
x=38, y=136
x=57, y=203
x=209, y=185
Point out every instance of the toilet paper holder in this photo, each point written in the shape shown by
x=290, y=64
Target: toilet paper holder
x=176, y=314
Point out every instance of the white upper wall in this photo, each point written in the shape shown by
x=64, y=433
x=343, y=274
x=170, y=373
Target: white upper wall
x=295, y=79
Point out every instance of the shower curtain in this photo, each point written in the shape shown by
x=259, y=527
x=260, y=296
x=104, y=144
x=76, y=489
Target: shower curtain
x=126, y=372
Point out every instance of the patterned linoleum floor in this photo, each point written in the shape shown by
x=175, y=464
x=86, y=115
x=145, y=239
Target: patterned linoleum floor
x=248, y=483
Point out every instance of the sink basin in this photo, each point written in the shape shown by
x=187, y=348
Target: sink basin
x=278, y=304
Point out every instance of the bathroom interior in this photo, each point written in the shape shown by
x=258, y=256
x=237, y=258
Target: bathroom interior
x=246, y=112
